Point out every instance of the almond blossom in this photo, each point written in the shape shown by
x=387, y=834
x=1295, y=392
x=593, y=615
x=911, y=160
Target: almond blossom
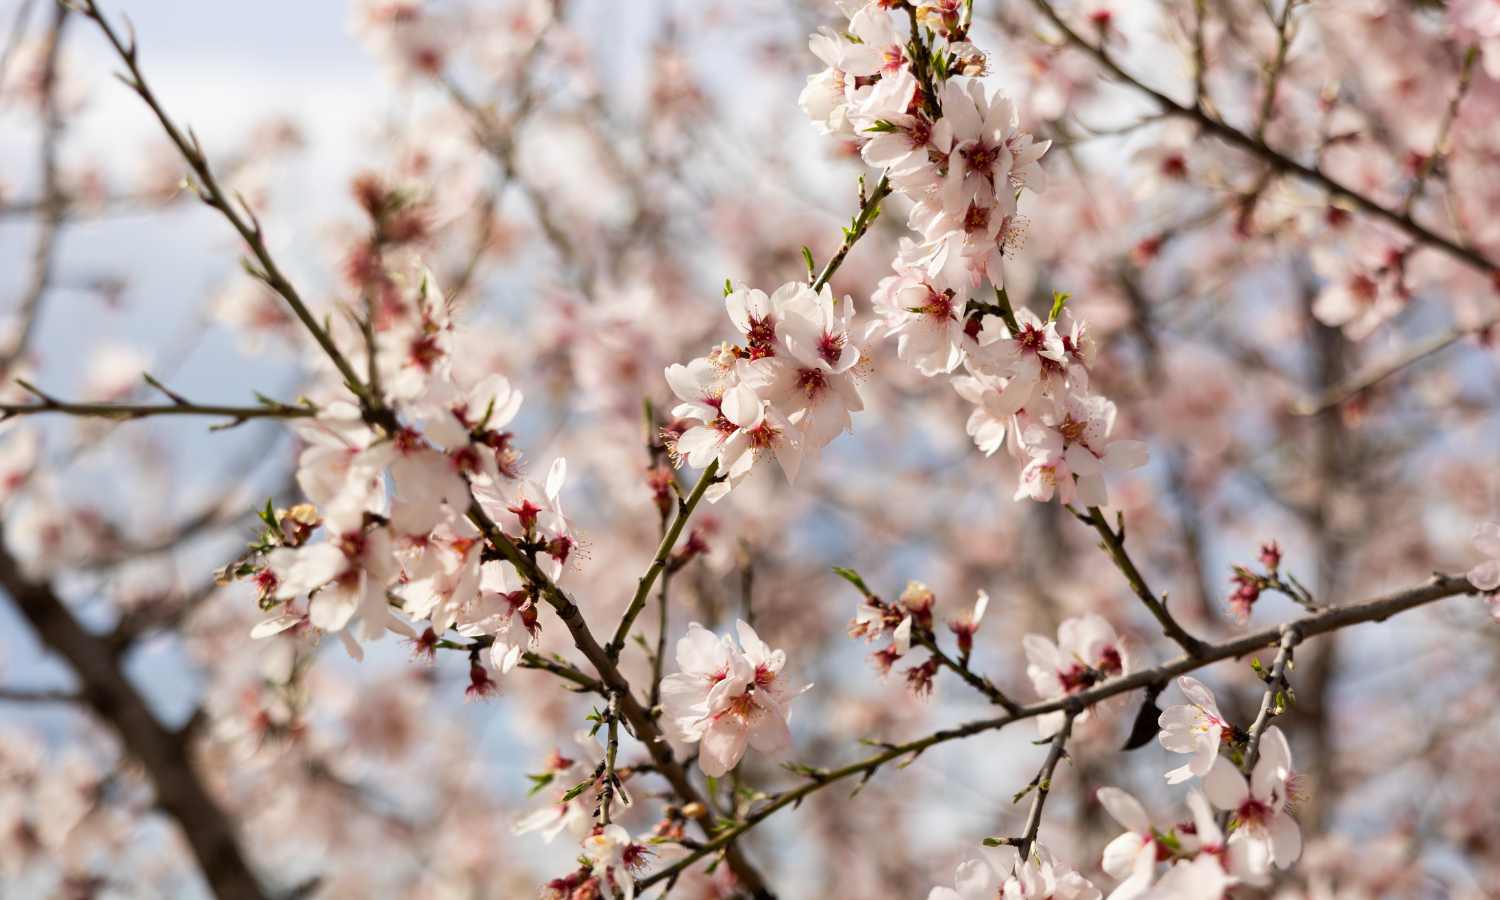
x=1087, y=652
x=726, y=698
x=1196, y=727
x=1486, y=575
x=1000, y=873
x=924, y=320
x=1264, y=830
x=345, y=576
x=1130, y=857
x=614, y=855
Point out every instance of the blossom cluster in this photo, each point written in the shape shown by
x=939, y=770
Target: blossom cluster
x=788, y=390
x=726, y=698
x=388, y=539
x=955, y=150
x=1201, y=861
x=1000, y=872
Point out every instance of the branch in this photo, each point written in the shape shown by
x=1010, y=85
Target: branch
x=1377, y=610
x=563, y=670
x=162, y=753
x=1275, y=684
x=1378, y=372
x=1439, y=143
x=869, y=208
x=1114, y=545
x=925, y=638
x=1042, y=783
x=209, y=191
x=1271, y=704
x=1278, y=161
x=1278, y=65
x=663, y=555
x=269, y=409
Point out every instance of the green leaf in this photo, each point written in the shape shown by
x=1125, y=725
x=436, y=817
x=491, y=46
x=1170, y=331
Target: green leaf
x=853, y=578
x=940, y=66
x=881, y=126
x=577, y=789
x=539, y=781
x=1059, y=299
x=808, y=258
x=997, y=841
x=268, y=515
x=728, y=288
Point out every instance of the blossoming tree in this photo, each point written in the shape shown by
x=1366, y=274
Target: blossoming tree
x=1094, y=331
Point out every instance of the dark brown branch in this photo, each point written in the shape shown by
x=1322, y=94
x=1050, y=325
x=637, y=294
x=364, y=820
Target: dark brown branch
x=107, y=690
x=1042, y=785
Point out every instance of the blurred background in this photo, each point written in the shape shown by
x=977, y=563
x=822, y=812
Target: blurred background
x=590, y=172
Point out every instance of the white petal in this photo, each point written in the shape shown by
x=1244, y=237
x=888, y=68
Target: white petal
x=1225, y=786
x=1125, y=809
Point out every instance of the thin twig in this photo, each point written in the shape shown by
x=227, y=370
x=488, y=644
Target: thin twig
x=127, y=411
x=1380, y=371
x=1114, y=545
x=659, y=562
x=1042, y=784
x=39, y=695
x=210, y=192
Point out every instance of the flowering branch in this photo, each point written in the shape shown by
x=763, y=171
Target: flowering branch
x=1279, y=161
x=1377, y=610
x=642, y=723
